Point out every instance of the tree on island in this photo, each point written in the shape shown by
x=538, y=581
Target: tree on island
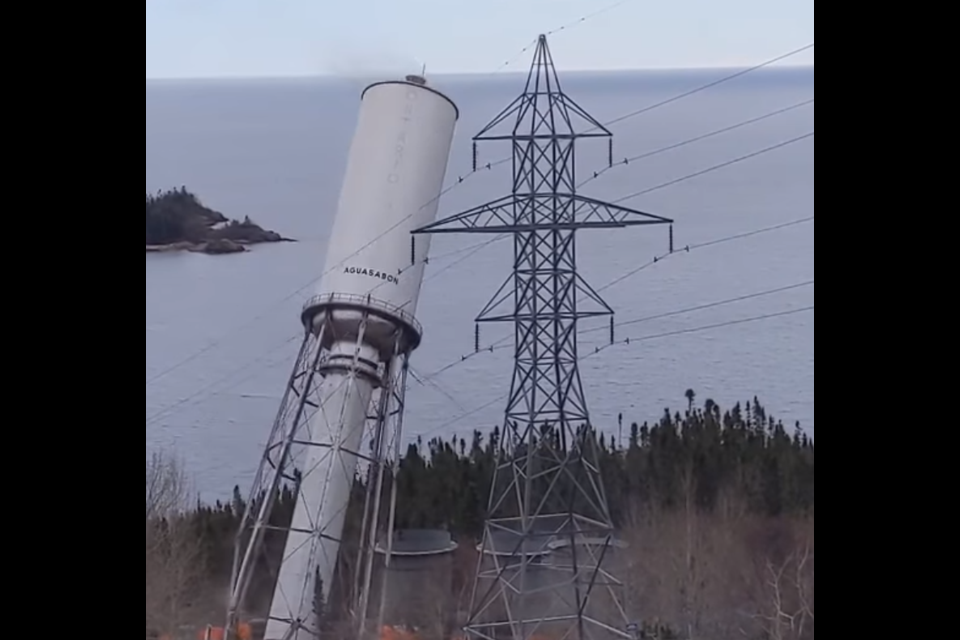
x=178, y=216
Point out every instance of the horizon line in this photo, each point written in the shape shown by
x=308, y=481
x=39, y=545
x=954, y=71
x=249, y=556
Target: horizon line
x=473, y=74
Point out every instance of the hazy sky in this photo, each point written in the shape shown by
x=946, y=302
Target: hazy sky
x=258, y=38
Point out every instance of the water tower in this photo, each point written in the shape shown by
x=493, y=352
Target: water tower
x=342, y=410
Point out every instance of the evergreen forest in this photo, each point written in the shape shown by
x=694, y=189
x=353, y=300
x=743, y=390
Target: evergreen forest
x=717, y=509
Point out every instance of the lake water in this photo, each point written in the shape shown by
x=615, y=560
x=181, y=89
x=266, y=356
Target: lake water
x=221, y=331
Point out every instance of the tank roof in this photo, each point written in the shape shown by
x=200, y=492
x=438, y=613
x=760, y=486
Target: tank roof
x=583, y=541
x=510, y=543
x=420, y=542
x=550, y=534
x=422, y=84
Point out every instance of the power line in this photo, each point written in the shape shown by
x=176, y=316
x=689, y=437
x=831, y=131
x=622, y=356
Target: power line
x=712, y=85
x=216, y=343
x=685, y=143
x=503, y=161
x=424, y=382
x=692, y=176
x=633, y=114
x=727, y=164
x=431, y=379
x=750, y=234
x=718, y=167
x=637, y=340
x=711, y=305
x=473, y=250
x=503, y=342
x=164, y=373
x=256, y=319
x=740, y=236
x=650, y=154
x=565, y=27
x=719, y=325
x=203, y=393
x=688, y=248
x=588, y=17
x=470, y=251
x=166, y=411
x=213, y=345
x=626, y=342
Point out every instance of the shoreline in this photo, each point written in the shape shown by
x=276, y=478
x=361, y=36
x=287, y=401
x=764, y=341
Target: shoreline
x=213, y=247
x=178, y=221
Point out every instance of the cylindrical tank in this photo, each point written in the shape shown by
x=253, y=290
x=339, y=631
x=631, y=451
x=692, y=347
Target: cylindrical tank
x=364, y=315
x=576, y=566
x=504, y=554
x=394, y=176
x=417, y=585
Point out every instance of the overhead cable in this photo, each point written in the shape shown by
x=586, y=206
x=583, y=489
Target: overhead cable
x=213, y=345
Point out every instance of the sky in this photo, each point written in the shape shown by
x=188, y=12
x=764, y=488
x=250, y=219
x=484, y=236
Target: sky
x=295, y=38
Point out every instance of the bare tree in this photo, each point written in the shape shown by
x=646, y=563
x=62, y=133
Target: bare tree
x=722, y=574
x=166, y=488
x=788, y=612
x=173, y=558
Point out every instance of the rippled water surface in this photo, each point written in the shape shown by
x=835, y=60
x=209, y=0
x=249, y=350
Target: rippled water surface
x=221, y=331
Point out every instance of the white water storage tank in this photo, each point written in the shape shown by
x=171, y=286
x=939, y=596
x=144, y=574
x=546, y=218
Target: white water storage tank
x=420, y=578
x=364, y=317
x=395, y=171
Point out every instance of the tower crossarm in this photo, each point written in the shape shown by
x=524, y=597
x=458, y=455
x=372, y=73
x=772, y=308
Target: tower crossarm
x=517, y=214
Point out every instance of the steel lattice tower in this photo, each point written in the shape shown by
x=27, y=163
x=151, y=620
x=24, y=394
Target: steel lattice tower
x=294, y=451
x=549, y=537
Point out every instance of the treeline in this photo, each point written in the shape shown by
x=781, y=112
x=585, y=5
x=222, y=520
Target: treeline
x=702, y=455
x=178, y=216
x=700, y=479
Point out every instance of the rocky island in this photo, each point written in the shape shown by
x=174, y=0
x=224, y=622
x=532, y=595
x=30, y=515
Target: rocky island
x=178, y=221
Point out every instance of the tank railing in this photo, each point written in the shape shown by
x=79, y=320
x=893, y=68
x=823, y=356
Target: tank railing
x=363, y=302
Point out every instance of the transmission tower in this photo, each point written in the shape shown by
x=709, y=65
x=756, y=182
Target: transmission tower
x=549, y=539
